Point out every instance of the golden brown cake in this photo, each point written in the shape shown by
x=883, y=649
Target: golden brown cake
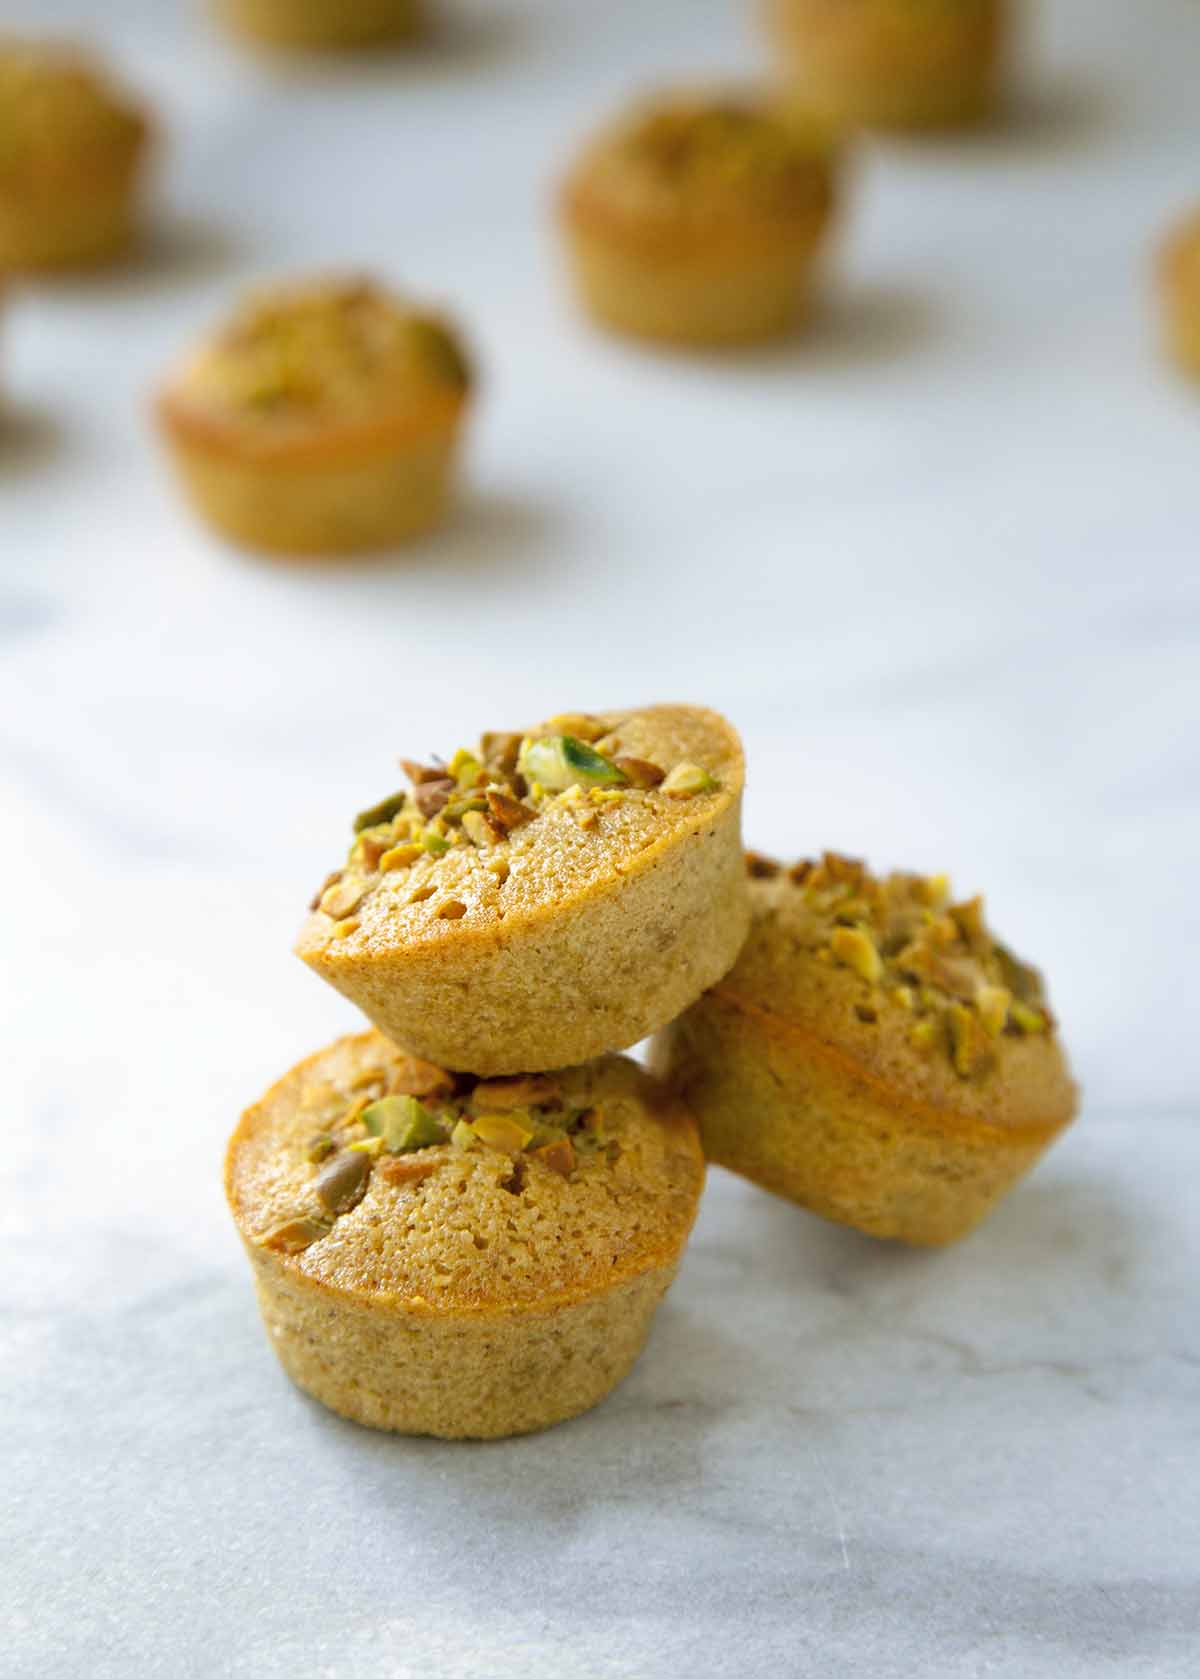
x=892, y=63
x=443, y=1255
x=71, y=150
x=322, y=23
x=1179, y=283
x=541, y=899
x=875, y=1054
x=697, y=217
x=323, y=419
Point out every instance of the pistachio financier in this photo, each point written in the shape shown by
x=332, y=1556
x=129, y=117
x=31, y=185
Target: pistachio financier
x=323, y=418
x=322, y=23
x=875, y=1054
x=904, y=64
x=72, y=149
x=1179, y=285
x=541, y=899
x=438, y=1254
x=697, y=217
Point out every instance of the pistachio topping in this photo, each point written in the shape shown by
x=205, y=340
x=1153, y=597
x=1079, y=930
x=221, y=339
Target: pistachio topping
x=390, y=1120
x=476, y=802
x=557, y=762
x=686, y=780
x=915, y=951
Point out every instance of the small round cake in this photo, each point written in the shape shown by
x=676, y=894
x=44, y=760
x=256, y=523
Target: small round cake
x=892, y=63
x=1179, y=283
x=323, y=419
x=875, y=1054
x=321, y=24
x=71, y=151
x=542, y=898
x=697, y=218
x=452, y=1256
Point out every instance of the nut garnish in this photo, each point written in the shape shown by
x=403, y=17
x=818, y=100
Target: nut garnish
x=342, y=1184
x=414, y=1077
x=558, y=1155
x=687, y=780
x=526, y=1090
x=934, y=960
x=638, y=772
x=294, y=1235
x=400, y=857
x=508, y=813
x=430, y=797
x=759, y=867
x=342, y=898
x=854, y=947
x=399, y=1168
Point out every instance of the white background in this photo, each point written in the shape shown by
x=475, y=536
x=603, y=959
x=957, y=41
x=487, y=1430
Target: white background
x=937, y=560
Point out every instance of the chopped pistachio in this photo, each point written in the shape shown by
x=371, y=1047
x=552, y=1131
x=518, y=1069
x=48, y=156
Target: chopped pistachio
x=465, y=768
x=857, y=950
x=481, y=830
x=394, y=1168
x=992, y=1002
x=330, y=879
x=403, y=1123
x=414, y=1077
x=924, y=1034
x=430, y=797
x=686, y=780
x=294, y=1235
x=434, y=843
x=1027, y=1019
x=556, y=762
x=967, y=1047
x=529, y=1090
x=903, y=994
x=342, y=1184
x=759, y=867
x=367, y=1145
x=370, y=847
x=419, y=774
x=343, y=897
x=639, y=772
x=502, y=1131
x=578, y=723
x=380, y=813
x=319, y=1147
x=559, y=1156
x=506, y=812
x=400, y=857
x=499, y=749
x=463, y=1135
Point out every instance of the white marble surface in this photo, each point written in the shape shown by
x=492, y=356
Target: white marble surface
x=938, y=561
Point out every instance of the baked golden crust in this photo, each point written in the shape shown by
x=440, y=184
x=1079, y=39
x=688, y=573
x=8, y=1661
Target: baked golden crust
x=566, y=935
x=322, y=23
x=323, y=417
x=1179, y=287
x=71, y=151
x=892, y=63
x=867, y=1059
x=462, y=1289
x=696, y=217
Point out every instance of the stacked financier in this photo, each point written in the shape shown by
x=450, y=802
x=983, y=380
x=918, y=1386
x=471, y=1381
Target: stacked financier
x=463, y=1228
x=875, y=1054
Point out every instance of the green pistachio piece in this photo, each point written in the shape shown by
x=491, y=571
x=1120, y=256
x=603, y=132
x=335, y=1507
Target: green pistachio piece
x=557, y=762
x=434, y=843
x=343, y=1182
x=382, y=812
x=404, y=1124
